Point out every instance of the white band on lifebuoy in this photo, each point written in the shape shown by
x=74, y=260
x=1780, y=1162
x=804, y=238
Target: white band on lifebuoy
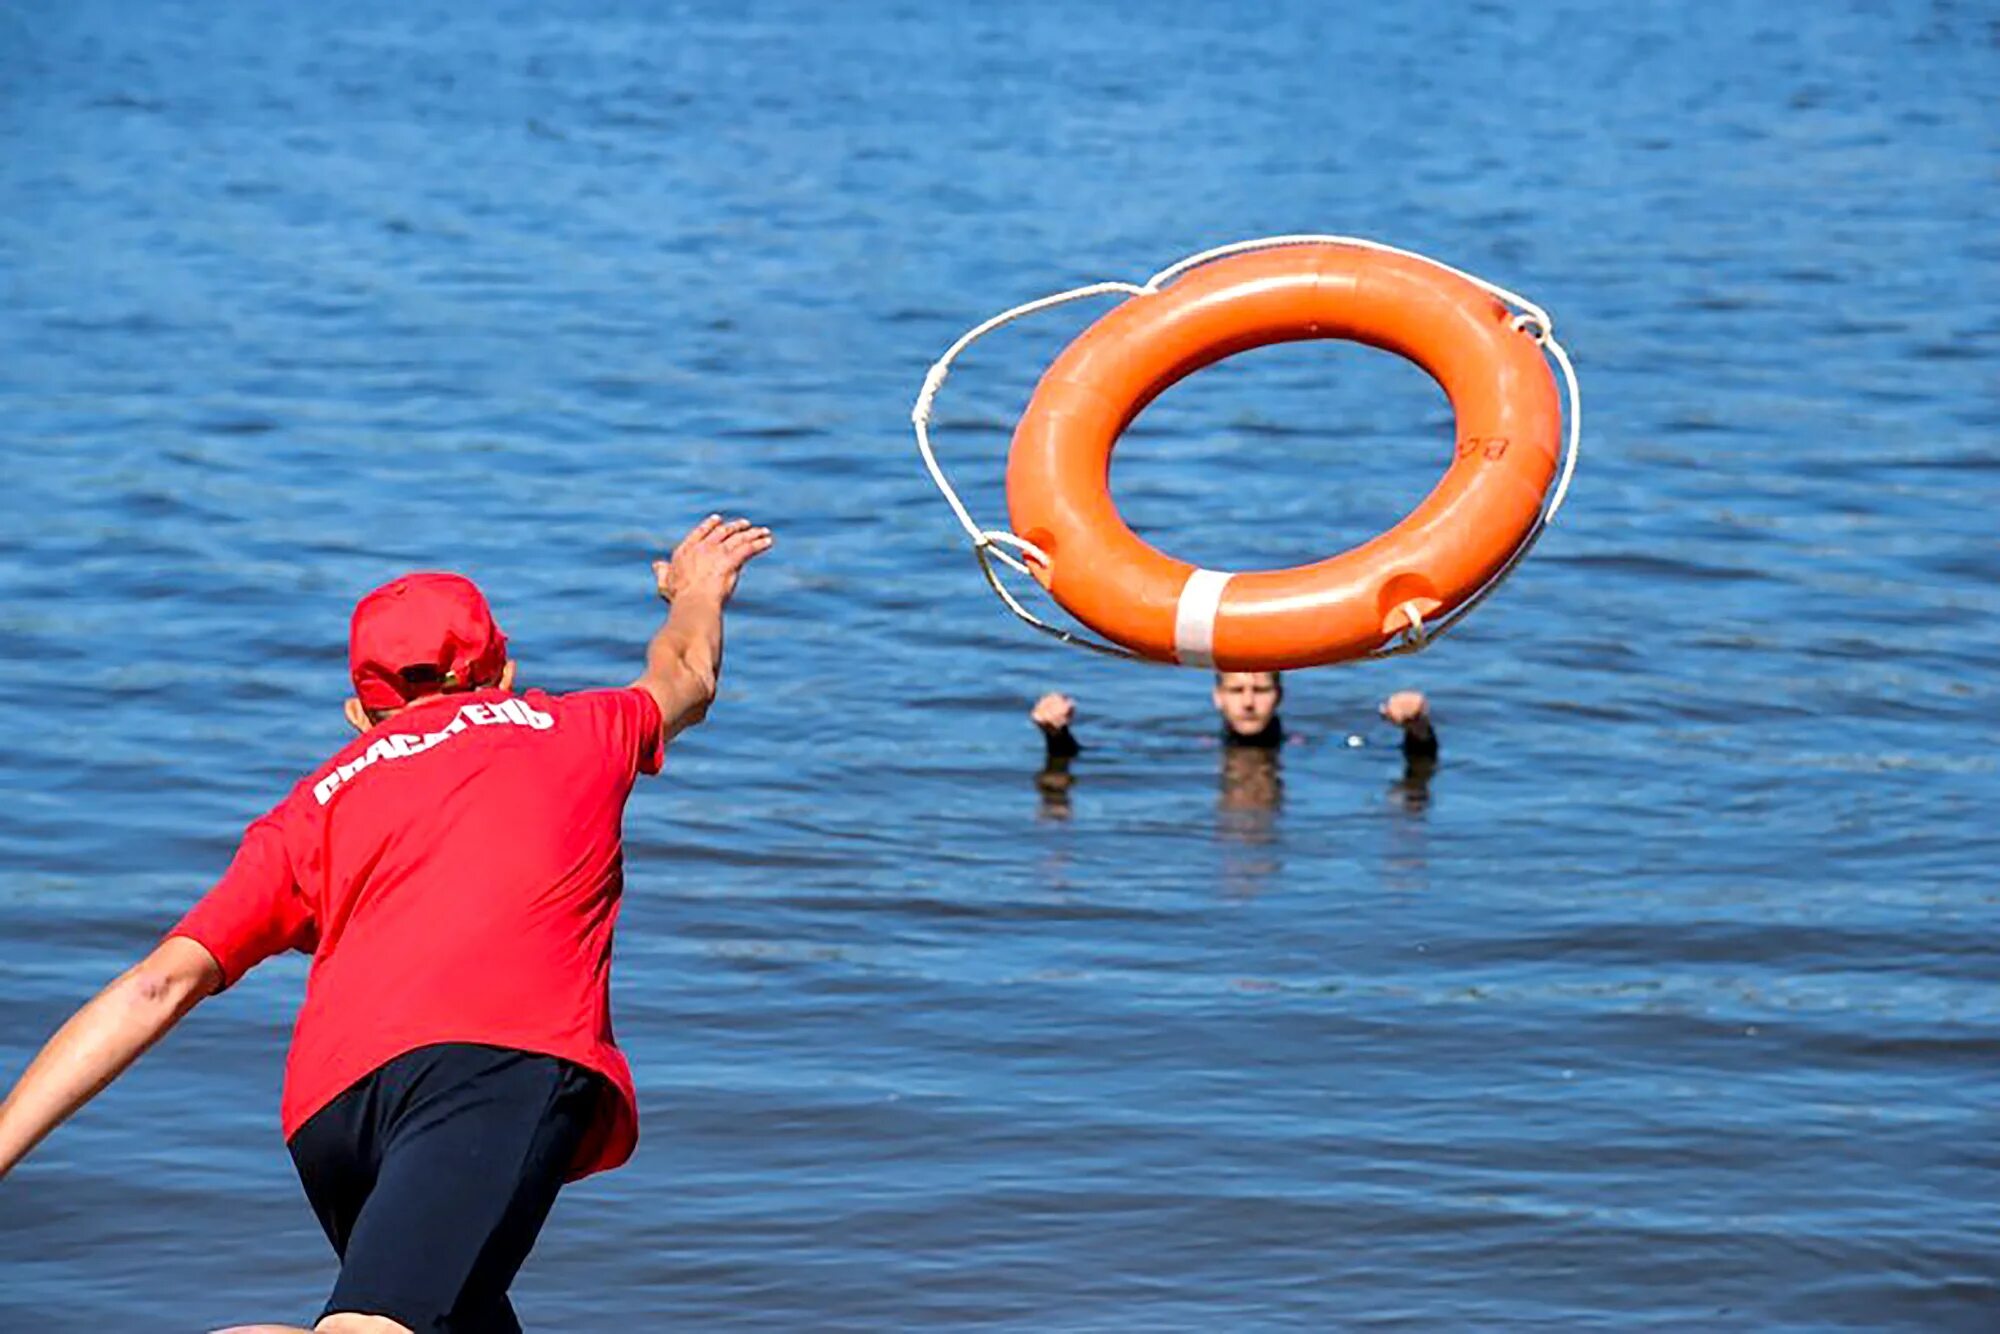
x=1194, y=617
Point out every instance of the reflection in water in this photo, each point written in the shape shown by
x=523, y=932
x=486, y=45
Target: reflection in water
x=1252, y=785
x=1412, y=792
x=1053, y=783
x=1250, y=793
x=1407, y=866
x=1251, y=790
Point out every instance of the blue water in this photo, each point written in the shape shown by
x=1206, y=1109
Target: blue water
x=1669, y=1004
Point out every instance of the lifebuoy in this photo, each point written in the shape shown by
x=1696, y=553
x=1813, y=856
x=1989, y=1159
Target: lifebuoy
x=1508, y=439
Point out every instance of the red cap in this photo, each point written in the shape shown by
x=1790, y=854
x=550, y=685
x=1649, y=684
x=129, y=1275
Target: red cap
x=436, y=622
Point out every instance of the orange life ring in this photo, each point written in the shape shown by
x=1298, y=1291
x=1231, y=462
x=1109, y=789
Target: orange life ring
x=1508, y=437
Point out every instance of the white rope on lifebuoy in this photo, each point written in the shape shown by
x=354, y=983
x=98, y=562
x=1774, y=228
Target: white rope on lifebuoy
x=988, y=543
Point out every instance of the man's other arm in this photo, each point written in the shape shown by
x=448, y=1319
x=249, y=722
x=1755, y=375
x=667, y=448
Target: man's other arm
x=102, y=1039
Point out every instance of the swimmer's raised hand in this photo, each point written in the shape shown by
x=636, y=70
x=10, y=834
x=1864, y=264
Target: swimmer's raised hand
x=1053, y=712
x=1409, y=710
x=709, y=559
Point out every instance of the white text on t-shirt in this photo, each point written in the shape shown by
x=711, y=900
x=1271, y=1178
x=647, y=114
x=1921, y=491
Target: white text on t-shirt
x=402, y=745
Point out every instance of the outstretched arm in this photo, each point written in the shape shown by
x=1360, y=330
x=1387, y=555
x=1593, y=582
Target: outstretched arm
x=100, y=1040
x=684, y=660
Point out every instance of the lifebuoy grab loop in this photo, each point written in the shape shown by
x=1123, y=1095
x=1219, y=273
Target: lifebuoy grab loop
x=1396, y=593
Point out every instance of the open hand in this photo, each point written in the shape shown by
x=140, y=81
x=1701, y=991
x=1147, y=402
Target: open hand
x=709, y=559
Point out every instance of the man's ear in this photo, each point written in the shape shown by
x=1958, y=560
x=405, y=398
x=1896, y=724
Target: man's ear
x=357, y=714
x=507, y=675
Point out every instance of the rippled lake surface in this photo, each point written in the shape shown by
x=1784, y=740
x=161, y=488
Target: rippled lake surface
x=1668, y=1003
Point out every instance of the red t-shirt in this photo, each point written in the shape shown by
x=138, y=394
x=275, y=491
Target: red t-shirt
x=455, y=873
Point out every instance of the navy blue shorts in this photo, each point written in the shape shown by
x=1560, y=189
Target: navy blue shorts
x=433, y=1175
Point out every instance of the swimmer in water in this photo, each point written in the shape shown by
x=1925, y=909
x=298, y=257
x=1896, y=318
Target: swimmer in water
x=1247, y=703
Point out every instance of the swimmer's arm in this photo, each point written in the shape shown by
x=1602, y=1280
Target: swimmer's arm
x=1053, y=713
x=684, y=659
x=102, y=1039
x=1409, y=710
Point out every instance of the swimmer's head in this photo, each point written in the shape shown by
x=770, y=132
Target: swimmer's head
x=1248, y=701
